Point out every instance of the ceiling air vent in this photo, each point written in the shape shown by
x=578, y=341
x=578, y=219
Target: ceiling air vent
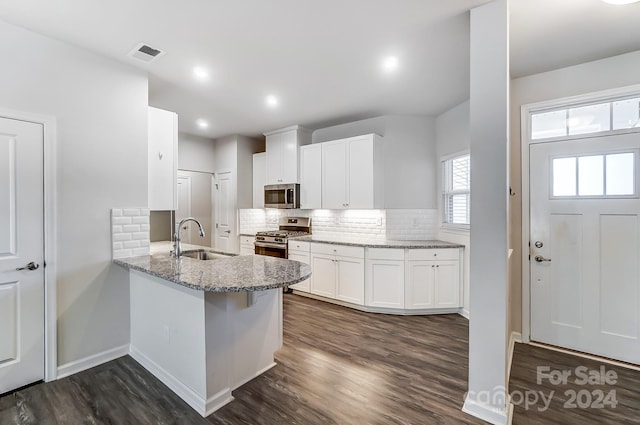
x=145, y=53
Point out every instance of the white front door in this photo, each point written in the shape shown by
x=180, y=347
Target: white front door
x=184, y=207
x=585, y=245
x=225, y=213
x=21, y=243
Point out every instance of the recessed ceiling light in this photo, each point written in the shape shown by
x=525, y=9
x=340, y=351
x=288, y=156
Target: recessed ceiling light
x=619, y=2
x=201, y=73
x=272, y=101
x=202, y=123
x=390, y=64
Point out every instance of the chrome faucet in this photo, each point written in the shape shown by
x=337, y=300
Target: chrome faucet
x=177, y=250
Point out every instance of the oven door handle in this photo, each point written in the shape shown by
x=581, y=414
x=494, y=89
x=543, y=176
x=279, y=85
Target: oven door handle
x=271, y=245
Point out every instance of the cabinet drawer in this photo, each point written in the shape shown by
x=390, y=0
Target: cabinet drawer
x=247, y=240
x=385, y=254
x=298, y=246
x=434, y=254
x=339, y=250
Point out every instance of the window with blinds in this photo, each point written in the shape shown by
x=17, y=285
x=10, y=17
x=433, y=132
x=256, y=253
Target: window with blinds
x=456, y=191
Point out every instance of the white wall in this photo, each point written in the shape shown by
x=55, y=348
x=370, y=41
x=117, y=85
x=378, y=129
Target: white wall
x=453, y=136
x=246, y=148
x=410, y=160
x=196, y=153
x=489, y=118
x=613, y=72
x=101, y=112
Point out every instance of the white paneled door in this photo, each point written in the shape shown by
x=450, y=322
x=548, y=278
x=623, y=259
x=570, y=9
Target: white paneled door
x=585, y=245
x=21, y=254
x=225, y=213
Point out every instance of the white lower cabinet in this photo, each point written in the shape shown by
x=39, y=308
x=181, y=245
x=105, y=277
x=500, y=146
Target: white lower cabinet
x=447, y=284
x=299, y=251
x=391, y=280
x=246, y=245
x=323, y=277
x=384, y=283
x=338, y=272
x=433, y=279
x=350, y=281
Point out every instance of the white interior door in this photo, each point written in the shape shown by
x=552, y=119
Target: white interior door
x=21, y=243
x=225, y=216
x=585, y=245
x=184, y=207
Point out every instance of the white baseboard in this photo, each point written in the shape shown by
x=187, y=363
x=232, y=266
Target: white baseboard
x=513, y=338
x=487, y=412
x=237, y=385
x=198, y=403
x=464, y=313
x=94, y=360
x=380, y=310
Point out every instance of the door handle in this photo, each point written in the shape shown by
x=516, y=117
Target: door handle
x=227, y=231
x=30, y=266
x=540, y=258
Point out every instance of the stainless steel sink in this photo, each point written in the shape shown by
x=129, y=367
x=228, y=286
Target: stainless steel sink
x=204, y=255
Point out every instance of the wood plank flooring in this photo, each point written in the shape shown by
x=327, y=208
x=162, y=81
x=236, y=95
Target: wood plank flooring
x=337, y=366
x=589, y=407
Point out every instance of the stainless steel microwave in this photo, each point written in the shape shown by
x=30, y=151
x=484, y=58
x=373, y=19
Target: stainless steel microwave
x=282, y=195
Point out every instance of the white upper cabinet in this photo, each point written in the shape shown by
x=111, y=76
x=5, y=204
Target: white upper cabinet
x=282, y=153
x=311, y=177
x=259, y=178
x=352, y=173
x=163, y=159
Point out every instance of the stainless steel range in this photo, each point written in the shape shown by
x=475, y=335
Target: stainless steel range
x=274, y=242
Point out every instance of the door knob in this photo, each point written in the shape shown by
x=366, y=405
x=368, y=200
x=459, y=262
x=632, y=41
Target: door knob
x=540, y=258
x=30, y=266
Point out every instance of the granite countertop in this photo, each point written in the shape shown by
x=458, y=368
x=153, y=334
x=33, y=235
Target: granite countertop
x=233, y=274
x=377, y=243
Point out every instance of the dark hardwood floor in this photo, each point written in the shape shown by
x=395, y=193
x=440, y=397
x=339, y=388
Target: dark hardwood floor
x=574, y=400
x=337, y=366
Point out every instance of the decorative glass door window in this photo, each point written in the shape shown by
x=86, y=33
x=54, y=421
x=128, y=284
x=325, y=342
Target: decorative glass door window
x=595, y=176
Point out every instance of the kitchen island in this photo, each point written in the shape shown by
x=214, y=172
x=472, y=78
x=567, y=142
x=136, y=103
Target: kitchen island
x=206, y=327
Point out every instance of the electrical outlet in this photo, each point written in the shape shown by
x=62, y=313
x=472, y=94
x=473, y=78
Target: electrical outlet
x=414, y=222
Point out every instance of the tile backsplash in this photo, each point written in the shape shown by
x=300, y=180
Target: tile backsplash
x=129, y=232
x=412, y=224
x=370, y=224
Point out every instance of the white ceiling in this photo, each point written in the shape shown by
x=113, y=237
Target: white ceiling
x=321, y=58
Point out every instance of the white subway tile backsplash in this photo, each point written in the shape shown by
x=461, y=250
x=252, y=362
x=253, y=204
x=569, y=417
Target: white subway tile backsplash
x=120, y=253
x=130, y=232
x=140, y=220
x=140, y=236
x=141, y=251
x=119, y=237
x=120, y=220
x=131, y=228
x=131, y=244
x=399, y=224
x=412, y=224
